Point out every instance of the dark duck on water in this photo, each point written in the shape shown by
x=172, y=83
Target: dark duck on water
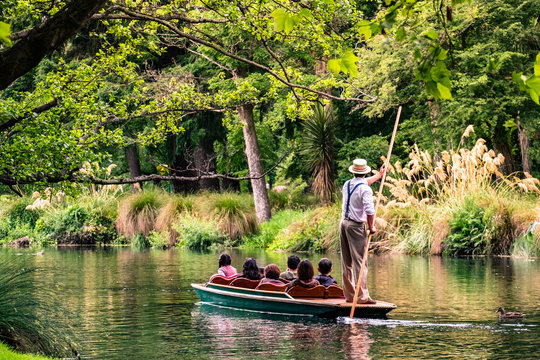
x=509, y=315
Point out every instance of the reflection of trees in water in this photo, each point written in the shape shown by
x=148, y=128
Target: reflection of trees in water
x=356, y=341
x=238, y=334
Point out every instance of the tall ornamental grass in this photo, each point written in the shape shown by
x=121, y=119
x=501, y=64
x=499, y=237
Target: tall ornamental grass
x=456, y=203
x=26, y=323
x=137, y=214
x=234, y=213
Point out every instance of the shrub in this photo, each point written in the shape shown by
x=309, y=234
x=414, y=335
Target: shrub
x=140, y=242
x=159, y=239
x=269, y=230
x=292, y=196
x=137, y=213
x=317, y=230
x=197, y=234
x=467, y=230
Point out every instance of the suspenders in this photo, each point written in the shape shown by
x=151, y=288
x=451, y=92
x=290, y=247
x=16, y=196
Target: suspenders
x=349, y=193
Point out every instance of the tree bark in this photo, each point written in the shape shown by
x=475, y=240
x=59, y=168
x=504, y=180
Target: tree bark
x=204, y=162
x=524, y=147
x=44, y=38
x=253, y=154
x=132, y=157
x=509, y=165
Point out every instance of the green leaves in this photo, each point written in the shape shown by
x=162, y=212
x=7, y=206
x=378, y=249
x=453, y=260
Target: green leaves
x=345, y=64
x=530, y=84
x=285, y=22
x=4, y=33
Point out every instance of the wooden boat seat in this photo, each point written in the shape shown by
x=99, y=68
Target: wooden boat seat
x=334, y=291
x=245, y=283
x=315, y=292
x=271, y=287
x=221, y=280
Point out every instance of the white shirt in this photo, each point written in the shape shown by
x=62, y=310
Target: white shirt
x=361, y=202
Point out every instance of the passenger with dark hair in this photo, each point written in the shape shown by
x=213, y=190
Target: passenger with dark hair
x=305, y=276
x=250, y=270
x=225, y=268
x=292, y=266
x=271, y=275
x=324, y=277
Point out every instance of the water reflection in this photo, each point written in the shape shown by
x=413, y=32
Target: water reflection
x=124, y=304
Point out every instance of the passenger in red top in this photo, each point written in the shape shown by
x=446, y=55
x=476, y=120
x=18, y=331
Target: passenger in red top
x=225, y=268
x=305, y=276
x=271, y=275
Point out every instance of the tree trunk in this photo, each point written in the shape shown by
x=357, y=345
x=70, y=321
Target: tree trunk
x=509, y=165
x=204, y=162
x=253, y=154
x=132, y=157
x=524, y=147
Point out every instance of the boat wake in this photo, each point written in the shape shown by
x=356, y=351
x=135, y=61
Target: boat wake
x=392, y=323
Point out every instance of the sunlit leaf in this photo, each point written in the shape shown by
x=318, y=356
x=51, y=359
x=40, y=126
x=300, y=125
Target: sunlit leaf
x=431, y=34
x=4, y=33
x=348, y=61
x=444, y=91
x=537, y=65
x=334, y=66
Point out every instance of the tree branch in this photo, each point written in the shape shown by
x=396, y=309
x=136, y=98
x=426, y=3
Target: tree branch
x=44, y=38
x=12, y=122
x=145, y=17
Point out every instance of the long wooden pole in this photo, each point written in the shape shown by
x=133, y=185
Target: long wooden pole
x=387, y=163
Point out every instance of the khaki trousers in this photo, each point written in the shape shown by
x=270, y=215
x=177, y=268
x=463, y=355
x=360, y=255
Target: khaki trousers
x=353, y=239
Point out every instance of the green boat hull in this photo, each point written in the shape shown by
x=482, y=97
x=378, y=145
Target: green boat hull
x=276, y=302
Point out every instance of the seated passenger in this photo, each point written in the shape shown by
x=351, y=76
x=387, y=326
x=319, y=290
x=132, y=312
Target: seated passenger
x=250, y=270
x=271, y=275
x=292, y=266
x=305, y=276
x=325, y=266
x=225, y=268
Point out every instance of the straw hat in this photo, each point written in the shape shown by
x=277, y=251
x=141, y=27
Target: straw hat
x=359, y=166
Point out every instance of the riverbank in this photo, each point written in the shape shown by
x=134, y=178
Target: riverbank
x=7, y=354
x=487, y=222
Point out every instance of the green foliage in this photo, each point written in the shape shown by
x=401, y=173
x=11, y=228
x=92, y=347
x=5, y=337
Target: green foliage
x=370, y=148
x=271, y=229
x=293, y=195
x=158, y=239
x=5, y=33
x=530, y=84
x=527, y=246
x=197, y=234
x=140, y=242
x=467, y=230
x=316, y=230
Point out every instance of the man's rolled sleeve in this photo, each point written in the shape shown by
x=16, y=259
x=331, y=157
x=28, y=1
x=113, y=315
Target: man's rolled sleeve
x=367, y=202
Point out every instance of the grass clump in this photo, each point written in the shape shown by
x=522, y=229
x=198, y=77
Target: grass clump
x=25, y=323
x=137, y=213
x=233, y=213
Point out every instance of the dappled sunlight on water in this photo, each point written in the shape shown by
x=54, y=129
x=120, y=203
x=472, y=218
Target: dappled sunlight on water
x=125, y=304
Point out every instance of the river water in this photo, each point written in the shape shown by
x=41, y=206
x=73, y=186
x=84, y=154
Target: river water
x=127, y=304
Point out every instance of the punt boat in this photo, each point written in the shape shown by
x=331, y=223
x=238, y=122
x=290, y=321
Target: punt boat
x=318, y=301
